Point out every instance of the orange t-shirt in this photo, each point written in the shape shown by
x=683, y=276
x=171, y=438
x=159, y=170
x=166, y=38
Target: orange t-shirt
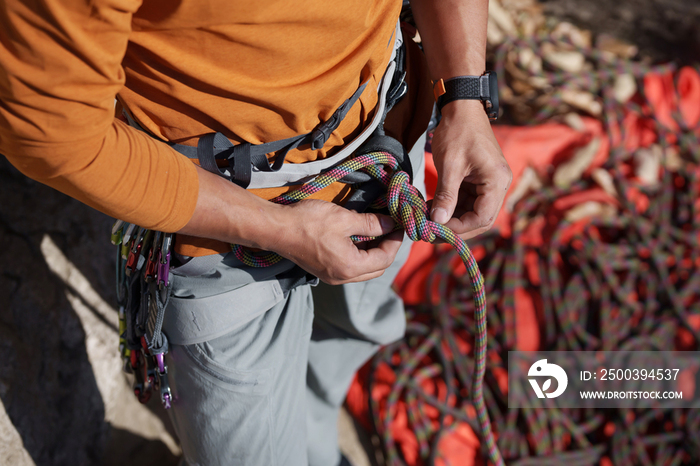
x=254, y=71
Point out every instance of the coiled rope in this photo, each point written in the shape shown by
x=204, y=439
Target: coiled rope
x=630, y=281
x=410, y=212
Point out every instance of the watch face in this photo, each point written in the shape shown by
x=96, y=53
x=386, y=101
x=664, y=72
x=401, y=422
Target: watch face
x=492, y=109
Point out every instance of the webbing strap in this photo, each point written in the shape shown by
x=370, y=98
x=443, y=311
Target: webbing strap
x=242, y=158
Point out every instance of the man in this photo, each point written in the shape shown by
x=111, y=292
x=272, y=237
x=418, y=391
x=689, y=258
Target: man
x=266, y=388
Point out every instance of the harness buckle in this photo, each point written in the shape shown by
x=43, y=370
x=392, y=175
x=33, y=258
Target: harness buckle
x=320, y=135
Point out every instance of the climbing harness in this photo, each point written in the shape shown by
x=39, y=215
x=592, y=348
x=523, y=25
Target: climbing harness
x=143, y=256
x=247, y=164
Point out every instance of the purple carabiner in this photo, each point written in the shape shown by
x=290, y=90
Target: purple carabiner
x=161, y=363
x=164, y=270
x=165, y=399
x=166, y=396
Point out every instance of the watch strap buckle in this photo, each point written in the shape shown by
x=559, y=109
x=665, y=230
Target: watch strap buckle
x=438, y=88
x=484, y=91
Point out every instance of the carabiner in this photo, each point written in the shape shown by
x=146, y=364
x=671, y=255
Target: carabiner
x=164, y=262
x=166, y=396
x=150, y=273
x=117, y=232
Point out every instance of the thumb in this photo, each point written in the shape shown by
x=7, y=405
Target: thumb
x=446, y=195
x=372, y=225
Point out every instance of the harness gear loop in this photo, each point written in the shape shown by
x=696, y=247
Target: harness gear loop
x=410, y=212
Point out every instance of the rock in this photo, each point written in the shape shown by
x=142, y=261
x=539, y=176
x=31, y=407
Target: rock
x=582, y=100
x=567, y=60
x=60, y=379
x=647, y=163
x=663, y=30
x=12, y=451
x=502, y=18
x=590, y=209
x=573, y=169
x=574, y=120
x=529, y=181
x=625, y=87
x=605, y=180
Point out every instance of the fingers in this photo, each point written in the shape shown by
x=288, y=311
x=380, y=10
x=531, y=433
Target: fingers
x=379, y=258
x=480, y=219
x=369, y=263
x=321, y=242
x=446, y=195
x=485, y=206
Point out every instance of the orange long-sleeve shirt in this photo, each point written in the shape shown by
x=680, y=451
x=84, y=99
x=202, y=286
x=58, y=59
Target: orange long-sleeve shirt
x=255, y=71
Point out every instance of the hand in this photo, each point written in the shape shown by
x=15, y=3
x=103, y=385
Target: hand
x=473, y=175
x=311, y=233
x=316, y=236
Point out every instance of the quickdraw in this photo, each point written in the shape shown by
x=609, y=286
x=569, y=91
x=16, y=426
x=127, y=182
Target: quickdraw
x=143, y=268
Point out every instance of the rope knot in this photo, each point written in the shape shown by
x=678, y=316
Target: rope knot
x=408, y=208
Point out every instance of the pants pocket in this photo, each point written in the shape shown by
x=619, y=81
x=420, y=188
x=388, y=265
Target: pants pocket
x=222, y=415
x=240, y=397
x=195, y=320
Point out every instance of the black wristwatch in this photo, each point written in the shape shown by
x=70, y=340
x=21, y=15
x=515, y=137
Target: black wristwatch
x=483, y=88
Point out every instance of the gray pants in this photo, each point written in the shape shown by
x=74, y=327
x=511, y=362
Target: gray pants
x=259, y=372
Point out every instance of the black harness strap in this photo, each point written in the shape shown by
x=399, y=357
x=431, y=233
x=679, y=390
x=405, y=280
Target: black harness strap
x=245, y=156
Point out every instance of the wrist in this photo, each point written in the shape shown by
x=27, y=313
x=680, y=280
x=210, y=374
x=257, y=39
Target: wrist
x=463, y=110
x=264, y=226
x=483, y=88
x=228, y=213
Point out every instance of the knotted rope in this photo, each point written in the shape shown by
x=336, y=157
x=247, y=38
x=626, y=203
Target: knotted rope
x=410, y=212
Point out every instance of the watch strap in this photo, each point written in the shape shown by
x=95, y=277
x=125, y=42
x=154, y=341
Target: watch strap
x=461, y=87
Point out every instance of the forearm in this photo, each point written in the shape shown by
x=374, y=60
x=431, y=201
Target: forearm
x=473, y=176
x=453, y=34
x=314, y=234
x=229, y=213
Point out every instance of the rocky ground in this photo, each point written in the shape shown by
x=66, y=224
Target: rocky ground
x=662, y=29
x=65, y=399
